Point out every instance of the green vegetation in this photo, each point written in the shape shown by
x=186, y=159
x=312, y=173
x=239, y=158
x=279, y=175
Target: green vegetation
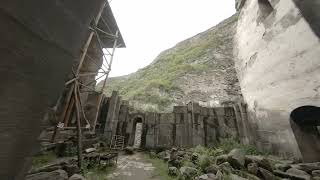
x=161, y=168
x=95, y=172
x=156, y=83
x=202, y=157
x=228, y=144
x=42, y=159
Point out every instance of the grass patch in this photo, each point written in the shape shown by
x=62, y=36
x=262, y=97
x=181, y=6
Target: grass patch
x=97, y=173
x=161, y=168
x=40, y=160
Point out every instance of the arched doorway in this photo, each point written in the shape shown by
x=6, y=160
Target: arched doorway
x=137, y=132
x=305, y=122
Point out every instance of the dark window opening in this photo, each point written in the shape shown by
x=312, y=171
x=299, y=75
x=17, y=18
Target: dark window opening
x=304, y=122
x=306, y=116
x=265, y=9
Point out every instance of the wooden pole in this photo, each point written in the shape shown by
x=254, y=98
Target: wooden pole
x=69, y=112
x=104, y=83
x=79, y=134
x=86, y=46
x=64, y=111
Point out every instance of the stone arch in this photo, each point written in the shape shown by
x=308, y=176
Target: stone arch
x=304, y=122
x=134, y=120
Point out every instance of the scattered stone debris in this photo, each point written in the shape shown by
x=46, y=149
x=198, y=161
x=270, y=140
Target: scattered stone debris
x=173, y=171
x=76, y=177
x=53, y=175
x=235, y=165
x=129, y=150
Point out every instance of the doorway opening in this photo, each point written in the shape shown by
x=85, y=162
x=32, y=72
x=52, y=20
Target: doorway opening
x=305, y=122
x=137, y=132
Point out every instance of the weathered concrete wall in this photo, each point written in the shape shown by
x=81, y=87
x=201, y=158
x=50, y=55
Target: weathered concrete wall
x=278, y=67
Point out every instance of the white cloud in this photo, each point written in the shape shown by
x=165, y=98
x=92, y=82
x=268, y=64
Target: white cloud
x=151, y=26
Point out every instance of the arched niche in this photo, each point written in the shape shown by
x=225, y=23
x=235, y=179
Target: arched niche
x=305, y=122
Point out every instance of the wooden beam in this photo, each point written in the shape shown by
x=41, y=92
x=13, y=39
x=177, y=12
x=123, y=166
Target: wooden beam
x=79, y=134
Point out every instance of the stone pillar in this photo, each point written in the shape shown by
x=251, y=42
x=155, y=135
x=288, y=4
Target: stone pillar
x=239, y=121
x=221, y=124
x=109, y=123
x=150, y=120
x=181, y=123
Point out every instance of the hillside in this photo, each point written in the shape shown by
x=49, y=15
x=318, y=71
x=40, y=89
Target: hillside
x=199, y=69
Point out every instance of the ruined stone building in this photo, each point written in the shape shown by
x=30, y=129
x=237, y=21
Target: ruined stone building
x=277, y=60
x=187, y=126
x=276, y=54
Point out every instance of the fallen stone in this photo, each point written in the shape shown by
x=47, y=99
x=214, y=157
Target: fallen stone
x=244, y=174
x=207, y=177
x=188, y=172
x=54, y=175
x=226, y=167
x=89, y=135
x=173, y=171
x=90, y=150
x=316, y=173
x=181, y=153
x=288, y=175
x=260, y=160
x=164, y=155
x=253, y=168
x=175, y=163
x=298, y=173
x=76, y=177
x=266, y=175
x=129, y=150
x=97, y=145
x=219, y=175
x=236, y=158
x=236, y=177
x=282, y=167
x=194, y=157
x=45, y=169
x=71, y=169
x=212, y=169
x=222, y=158
x=307, y=167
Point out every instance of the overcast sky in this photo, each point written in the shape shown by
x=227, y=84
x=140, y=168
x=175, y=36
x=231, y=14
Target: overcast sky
x=151, y=26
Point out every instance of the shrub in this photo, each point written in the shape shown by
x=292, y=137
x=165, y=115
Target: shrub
x=228, y=144
x=204, y=162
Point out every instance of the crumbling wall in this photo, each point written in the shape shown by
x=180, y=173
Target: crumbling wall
x=187, y=126
x=278, y=68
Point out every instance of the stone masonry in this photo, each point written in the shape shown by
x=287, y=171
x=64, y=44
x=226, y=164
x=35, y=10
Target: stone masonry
x=187, y=126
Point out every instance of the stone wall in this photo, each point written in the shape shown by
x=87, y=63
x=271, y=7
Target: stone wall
x=277, y=61
x=187, y=126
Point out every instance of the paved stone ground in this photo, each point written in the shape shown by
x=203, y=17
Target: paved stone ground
x=132, y=167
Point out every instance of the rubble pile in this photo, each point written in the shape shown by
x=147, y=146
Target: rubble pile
x=234, y=165
x=64, y=165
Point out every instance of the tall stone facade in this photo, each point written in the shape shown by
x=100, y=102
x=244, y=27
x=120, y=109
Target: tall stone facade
x=277, y=60
x=187, y=126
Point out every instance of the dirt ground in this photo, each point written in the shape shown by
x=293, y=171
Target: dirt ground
x=133, y=167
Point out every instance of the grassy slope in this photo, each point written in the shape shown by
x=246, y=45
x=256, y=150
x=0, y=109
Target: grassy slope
x=155, y=84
